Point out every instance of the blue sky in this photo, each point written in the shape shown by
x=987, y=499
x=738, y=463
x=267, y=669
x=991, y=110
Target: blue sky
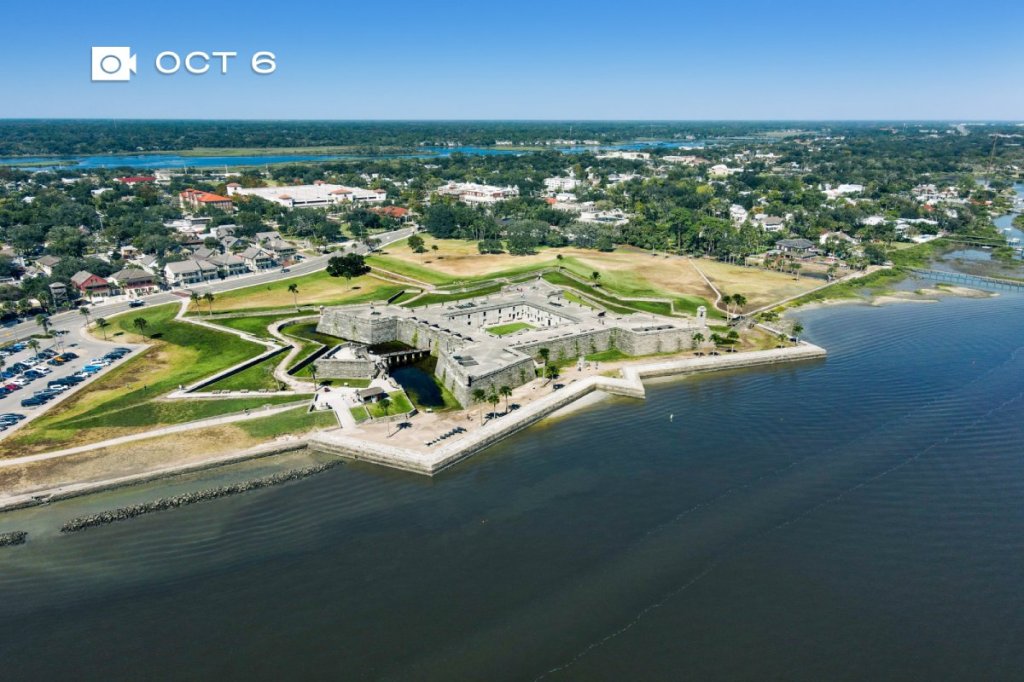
x=526, y=59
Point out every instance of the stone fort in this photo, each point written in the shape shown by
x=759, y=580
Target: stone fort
x=471, y=357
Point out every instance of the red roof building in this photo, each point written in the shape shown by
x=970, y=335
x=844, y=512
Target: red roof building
x=197, y=198
x=136, y=179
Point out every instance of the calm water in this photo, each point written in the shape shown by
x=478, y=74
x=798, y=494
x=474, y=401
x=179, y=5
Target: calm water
x=856, y=518
x=165, y=161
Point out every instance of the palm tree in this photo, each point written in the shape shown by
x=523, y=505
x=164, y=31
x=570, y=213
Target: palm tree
x=493, y=399
x=293, y=289
x=84, y=310
x=740, y=300
x=208, y=297
x=797, y=329
x=385, y=405
x=140, y=323
x=505, y=391
x=698, y=339
x=544, y=353
x=552, y=372
x=727, y=300
x=34, y=345
x=596, y=276
x=102, y=323
x=44, y=322
x=194, y=297
x=479, y=396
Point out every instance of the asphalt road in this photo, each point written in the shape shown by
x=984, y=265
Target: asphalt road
x=72, y=319
x=69, y=327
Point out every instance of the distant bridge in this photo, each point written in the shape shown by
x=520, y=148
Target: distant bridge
x=963, y=278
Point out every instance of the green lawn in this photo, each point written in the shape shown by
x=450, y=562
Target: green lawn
x=298, y=420
x=317, y=288
x=399, y=405
x=510, y=328
x=310, y=339
x=254, y=378
x=255, y=325
x=443, y=297
x=123, y=397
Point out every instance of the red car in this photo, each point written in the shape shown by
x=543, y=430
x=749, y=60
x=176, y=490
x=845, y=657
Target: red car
x=12, y=387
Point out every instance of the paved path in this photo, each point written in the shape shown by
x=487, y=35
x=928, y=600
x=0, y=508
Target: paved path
x=155, y=433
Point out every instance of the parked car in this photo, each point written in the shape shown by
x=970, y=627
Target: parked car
x=33, y=401
x=12, y=386
x=69, y=355
x=137, y=303
x=12, y=415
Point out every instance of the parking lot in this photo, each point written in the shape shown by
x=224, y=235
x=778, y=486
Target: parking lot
x=29, y=374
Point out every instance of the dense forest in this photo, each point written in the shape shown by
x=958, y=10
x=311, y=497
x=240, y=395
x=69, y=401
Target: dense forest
x=62, y=137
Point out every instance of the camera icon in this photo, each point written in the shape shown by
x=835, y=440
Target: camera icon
x=112, y=63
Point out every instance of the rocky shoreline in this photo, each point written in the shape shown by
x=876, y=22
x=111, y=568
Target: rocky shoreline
x=130, y=512
x=16, y=537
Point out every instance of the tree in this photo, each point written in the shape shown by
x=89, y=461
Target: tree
x=698, y=339
x=34, y=345
x=727, y=300
x=797, y=329
x=479, y=396
x=44, y=322
x=140, y=323
x=293, y=289
x=347, y=266
x=596, y=276
x=385, y=406
x=739, y=300
x=551, y=371
x=102, y=323
x=493, y=399
x=209, y=297
x=506, y=392
x=416, y=243
x=544, y=353
x=84, y=311
x=194, y=297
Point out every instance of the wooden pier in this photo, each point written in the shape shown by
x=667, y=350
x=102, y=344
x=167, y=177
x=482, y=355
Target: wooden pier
x=969, y=280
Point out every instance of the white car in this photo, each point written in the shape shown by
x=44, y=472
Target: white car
x=43, y=369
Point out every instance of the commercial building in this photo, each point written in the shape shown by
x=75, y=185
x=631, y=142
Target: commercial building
x=197, y=198
x=319, y=194
x=474, y=193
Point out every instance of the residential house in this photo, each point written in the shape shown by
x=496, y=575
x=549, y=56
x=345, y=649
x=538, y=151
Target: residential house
x=771, y=223
x=89, y=284
x=257, y=259
x=281, y=250
x=190, y=271
x=799, y=247
x=737, y=214
x=134, y=282
x=47, y=263
x=230, y=264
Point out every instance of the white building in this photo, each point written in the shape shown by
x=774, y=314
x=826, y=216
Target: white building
x=614, y=217
x=720, y=170
x=842, y=190
x=310, y=196
x=474, y=193
x=738, y=214
x=561, y=184
x=629, y=156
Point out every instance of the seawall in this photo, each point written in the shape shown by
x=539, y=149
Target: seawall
x=629, y=385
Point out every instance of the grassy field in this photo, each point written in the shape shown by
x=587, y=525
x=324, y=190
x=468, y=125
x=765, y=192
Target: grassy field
x=760, y=287
x=310, y=339
x=626, y=272
x=399, y=405
x=316, y=288
x=255, y=325
x=511, y=328
x=254, y=378
x=123, y=399
x=298, y=420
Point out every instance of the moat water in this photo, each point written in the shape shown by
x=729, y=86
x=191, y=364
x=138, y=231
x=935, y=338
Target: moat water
x=860, y=517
